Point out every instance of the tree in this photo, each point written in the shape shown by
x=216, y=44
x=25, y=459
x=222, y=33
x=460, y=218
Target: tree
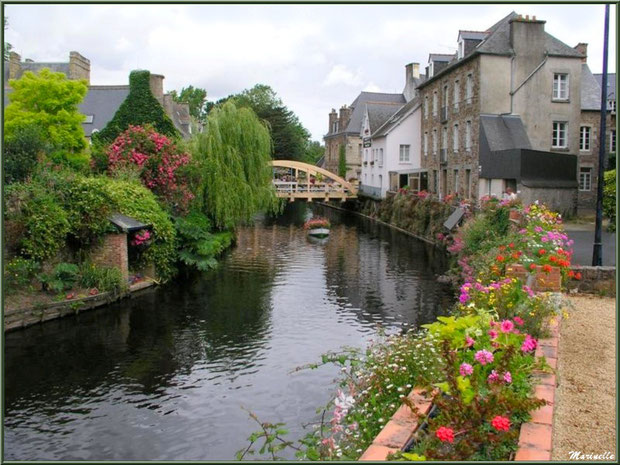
x=314, y=152
x=233, y=157
x=290, y=138
x=342, y=161
x=7, y=47
x=196, y=98
x=22, y=152
x=49, y=101
x=139, y=108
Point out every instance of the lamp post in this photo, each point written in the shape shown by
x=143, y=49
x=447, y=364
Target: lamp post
x=597, y=252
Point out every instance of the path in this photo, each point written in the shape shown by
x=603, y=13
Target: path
x=585, y=402
x=583, y=235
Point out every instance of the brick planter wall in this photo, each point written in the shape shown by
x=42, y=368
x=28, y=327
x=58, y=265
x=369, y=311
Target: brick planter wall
x=112, y=252
x=538, y=280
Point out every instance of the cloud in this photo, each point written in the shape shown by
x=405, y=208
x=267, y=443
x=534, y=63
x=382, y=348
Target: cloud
x=340, y=74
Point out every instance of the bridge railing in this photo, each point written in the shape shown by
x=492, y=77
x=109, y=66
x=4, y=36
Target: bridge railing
x=300, y=187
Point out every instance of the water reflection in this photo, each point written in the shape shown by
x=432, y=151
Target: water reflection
x=164, y=374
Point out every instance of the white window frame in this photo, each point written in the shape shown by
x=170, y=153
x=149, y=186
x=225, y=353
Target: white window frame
x=585, y=138
x=559, y=135
x=435, y=144
x=444, y=137
x=456, y=180
x=467, y=136
x=435, y=103
x=585, y=178
x=469, y=88
x=425, y=144
x=380, y=157
x=89, y=119
x=426, y=107
x=560, y=86
x=455, y=138
x=457, y=94
x=404, y=153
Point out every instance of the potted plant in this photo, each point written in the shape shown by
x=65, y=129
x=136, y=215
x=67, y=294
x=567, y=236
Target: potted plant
x=317, y=227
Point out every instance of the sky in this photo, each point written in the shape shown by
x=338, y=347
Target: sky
x=316, y=57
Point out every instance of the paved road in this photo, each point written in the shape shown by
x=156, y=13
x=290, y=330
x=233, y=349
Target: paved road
x=583, y=235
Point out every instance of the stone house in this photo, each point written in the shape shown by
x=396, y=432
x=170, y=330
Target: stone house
x=101, y=101
x=345, y=126
x=509, y=99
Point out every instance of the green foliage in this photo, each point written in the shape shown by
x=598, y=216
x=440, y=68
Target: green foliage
x=18, y=273
x=22, y=152
x=139, y=108
x=609, y=198
x=289, y=137
x=104, y=279
x=314, y=152
x=198, y=247
x=50, y=101
x=196, y=98
x=7, y=46
x=233, y=158
x=342, y=161
x=62, y=278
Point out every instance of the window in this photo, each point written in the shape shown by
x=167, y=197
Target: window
x=434, y=141
x=611, y=105
x=468, y=135
x=455, y=138
x=558, y=140
x=334, y=126
x=467, y=184
x=365, y=154
x=435, y=181
x=89, y=119
x=426, y=107
x=445, y=95
x=585, y=179
x=380, y=157
x=456, y=181
x=612, y=141
x=404, y=154
x=444, y=138
x=560, y=86
x=469, y=88
x=435, y=103
x=461, y=49
x=457, y=94
x=425, y=144
x=584, y=138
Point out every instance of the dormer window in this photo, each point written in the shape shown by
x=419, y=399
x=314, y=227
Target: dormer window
x=335, y=126
x=430, y=69
x=89, y=119
x=461, y=51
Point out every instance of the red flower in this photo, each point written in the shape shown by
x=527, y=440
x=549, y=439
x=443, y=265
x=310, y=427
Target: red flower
x=578, y=275
x=445, y=434
x=546, y=268
x=500, y=258
x=553, y=258
x=571, y=273
x=511, y=245
x=501, y=423
x=532, y=266
x=542, y=252
x=516, y=255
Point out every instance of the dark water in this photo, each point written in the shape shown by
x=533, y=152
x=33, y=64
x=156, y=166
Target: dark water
x=164, y=375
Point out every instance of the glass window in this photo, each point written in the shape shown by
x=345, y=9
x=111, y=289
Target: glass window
x=560, y=86
x=469, y=88
x=456, y=181
x=426, y=107
x=444, y=138
x=434, y=141
x=457, y=94
x=584, y=138
x=585, y=179
x=468, y=135
x=559, y=139
x=426, y=144
x=380, y=157
x=89, y=119
x=404, y=154
x=455, y=138
x=435, y=103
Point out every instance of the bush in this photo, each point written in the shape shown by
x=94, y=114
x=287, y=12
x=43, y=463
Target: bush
x=62, y=278
x=609, y=198
x=104, y=279
x=18, y=273
x=22, y=152
x=198, y=247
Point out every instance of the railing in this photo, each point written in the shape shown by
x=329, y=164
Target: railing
x=294, y=187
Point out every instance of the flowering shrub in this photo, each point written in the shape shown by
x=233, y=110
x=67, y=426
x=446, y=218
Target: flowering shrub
x=156, y=160
x=316, y=223
x=141, y=238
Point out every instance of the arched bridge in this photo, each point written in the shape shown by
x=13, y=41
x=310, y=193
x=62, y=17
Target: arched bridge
x=297, y=180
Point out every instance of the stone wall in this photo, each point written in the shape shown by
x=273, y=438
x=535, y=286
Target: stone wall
x=594, y=279
x=557, y=199
x=112, y=252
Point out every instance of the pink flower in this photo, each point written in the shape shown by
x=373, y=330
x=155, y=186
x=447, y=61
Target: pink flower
x=466, y=369
x=463, y=298
x=483, y=357
x=501, y=423
x=493, y=377
x=492, y=334
x=507, y=326
x=469, y=341
x=529, y=344
x=445, y=434
x=518, y=320
x=507, y=377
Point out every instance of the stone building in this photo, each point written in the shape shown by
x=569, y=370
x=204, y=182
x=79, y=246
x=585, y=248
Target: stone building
x=526, y=83
x=101, y=101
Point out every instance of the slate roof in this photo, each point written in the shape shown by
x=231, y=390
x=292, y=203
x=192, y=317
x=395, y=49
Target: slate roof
x=441, y=56
x=504, y=132
x=359, y=107
x=590, y=90
x=497, y=42
x=102, y=102
x=472, y=35
x=611, y=84
x=379, y=113
x=391, y=122
x=126, y=223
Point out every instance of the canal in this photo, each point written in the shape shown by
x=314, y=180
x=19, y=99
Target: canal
x=167, y=374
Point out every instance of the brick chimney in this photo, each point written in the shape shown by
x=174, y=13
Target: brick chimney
x=79, y=67
x=583, y=49
x=157, y=87
x=333, y=117
x=345, y=116
x=14, y=65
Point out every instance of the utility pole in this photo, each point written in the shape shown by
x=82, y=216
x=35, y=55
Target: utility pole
x=597, y=253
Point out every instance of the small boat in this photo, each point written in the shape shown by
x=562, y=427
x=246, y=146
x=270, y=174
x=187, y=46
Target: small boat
x=317, y=227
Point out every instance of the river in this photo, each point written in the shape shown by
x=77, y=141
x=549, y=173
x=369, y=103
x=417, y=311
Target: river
x=166, y=375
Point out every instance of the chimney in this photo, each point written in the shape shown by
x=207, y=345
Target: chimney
x=583, y=49
x=416, y=70
x=14, y=65
x=527, y=36
x=157, y=87
x=345, y=116
x=333, y=117
x=79, y=67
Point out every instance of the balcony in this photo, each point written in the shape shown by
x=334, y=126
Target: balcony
x=444, y=114
x=443, y=156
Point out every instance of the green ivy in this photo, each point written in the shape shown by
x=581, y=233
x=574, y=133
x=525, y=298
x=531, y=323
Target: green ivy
x=139, y=108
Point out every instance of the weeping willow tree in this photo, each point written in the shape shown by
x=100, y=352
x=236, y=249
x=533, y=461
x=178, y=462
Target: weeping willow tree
x=233, y=155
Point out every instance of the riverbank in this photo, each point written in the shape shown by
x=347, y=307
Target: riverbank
x=585, y=407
